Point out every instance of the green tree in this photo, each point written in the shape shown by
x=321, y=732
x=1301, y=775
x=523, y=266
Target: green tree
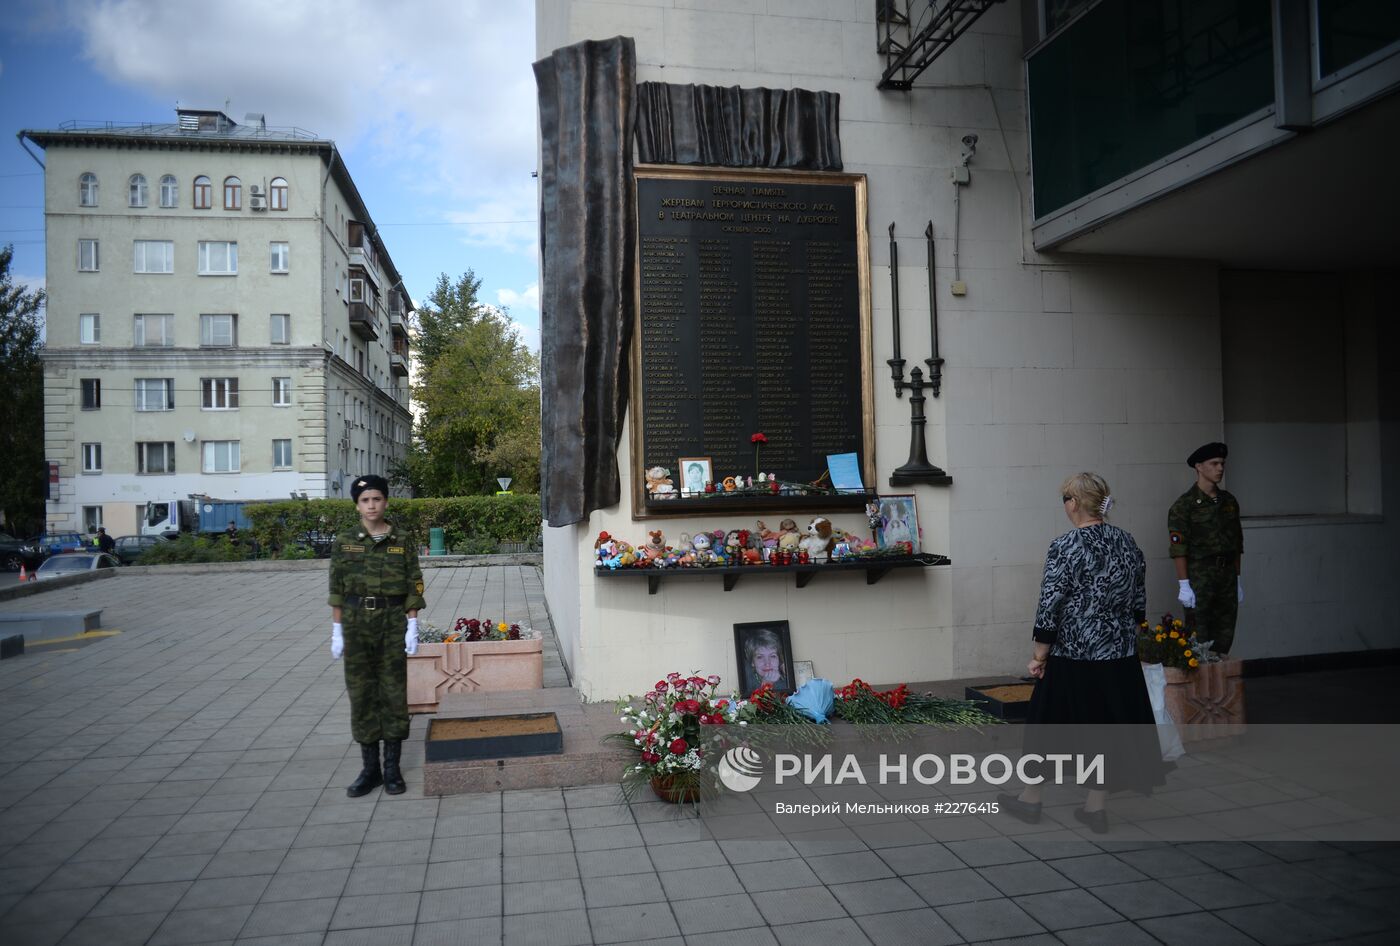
x=478, y=388
x=22, y=467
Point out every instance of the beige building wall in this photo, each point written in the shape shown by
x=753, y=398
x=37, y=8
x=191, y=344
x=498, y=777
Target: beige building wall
x=314, y=228
x=1055, y=364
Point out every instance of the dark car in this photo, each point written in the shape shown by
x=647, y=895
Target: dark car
x=16, y=552
x=131, y=547
x=74, y=563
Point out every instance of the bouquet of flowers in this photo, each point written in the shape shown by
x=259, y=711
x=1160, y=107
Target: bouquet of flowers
x=674, y=731
x=1170, y=644
x=859, y=702
x=470, y=630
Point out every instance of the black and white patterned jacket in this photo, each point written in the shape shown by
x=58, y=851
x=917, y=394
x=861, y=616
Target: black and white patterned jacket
x=1093, y=594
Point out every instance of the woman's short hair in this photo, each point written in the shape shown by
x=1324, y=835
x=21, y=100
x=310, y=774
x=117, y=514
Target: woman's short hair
x=1090, y=490
x=761, y=638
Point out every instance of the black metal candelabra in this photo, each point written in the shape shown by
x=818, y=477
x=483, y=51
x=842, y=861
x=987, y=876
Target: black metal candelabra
x=917, y=469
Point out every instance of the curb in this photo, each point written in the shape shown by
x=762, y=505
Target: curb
x=54, y=584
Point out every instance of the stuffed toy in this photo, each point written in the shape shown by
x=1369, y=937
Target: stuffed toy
x=818, y=540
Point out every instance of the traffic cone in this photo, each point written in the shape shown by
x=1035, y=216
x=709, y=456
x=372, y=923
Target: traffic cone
x=23, y=573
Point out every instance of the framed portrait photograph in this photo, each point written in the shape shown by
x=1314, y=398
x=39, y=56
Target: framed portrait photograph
x=694, y=473
x=764, y=653
x=899, y=522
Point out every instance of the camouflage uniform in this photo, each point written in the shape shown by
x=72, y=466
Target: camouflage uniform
x=1206, y=531
x=376, y=667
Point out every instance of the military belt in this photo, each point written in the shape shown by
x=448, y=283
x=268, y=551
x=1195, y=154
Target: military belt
x=375, y=602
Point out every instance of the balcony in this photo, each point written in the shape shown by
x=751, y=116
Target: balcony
x=397, y=323
x=364, y=322
x=398, y=364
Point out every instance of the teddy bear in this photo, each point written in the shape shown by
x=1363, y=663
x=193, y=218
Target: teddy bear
x=704, y=554
x=818, y=540
x=789, y=541
x=659, y=485
x=655, y=546
x=771, y=538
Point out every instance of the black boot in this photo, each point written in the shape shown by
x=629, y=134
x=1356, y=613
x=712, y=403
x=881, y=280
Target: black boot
x=369, y=778
x=393, y=778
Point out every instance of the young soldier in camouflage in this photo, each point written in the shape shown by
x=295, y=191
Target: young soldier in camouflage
x=375, y=582
x=1206, y=545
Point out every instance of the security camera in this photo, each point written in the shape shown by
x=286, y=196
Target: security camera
x=970, y=142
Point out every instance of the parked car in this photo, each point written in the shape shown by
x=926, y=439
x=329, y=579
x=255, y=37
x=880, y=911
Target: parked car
x=73, y=563
x=16, y=552
x=52, y=543
x=131, y=547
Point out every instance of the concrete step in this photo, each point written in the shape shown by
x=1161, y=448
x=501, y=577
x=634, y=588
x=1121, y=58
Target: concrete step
x=38, y=625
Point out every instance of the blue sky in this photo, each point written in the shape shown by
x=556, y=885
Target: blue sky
x=431, y=103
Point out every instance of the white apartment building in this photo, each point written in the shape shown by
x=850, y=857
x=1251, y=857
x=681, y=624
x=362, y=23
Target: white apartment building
x=223, y=319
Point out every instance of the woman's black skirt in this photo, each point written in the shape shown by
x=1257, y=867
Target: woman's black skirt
x=1098, y=706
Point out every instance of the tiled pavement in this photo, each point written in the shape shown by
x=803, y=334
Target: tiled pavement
x=182, y=783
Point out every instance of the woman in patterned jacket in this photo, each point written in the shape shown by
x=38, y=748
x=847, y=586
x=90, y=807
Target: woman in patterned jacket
x=1092, y=598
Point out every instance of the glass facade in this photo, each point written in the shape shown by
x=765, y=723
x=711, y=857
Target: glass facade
x=1351, y=30
x=1133, y=81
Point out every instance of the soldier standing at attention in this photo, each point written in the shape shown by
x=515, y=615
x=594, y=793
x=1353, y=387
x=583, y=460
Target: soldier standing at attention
x=375, y=582
x=1206, y=545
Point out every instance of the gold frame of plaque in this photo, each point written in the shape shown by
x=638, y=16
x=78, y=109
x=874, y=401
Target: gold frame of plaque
x=857, y=183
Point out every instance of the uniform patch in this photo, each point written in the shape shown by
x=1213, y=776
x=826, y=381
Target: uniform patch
x=352, y=548
x=395, y=550
x=1176, y=538
x=419, y=587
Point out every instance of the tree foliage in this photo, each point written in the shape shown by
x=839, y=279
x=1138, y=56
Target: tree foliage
x=478, y=389
x=22, y=466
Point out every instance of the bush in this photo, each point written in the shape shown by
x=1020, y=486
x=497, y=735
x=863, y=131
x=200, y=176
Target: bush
x=472, y=524
x=196, y=549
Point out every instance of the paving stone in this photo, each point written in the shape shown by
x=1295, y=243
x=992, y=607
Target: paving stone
x=837, y=932
x=398, y=878
x=128, y=930
x=1143, y=899
x=76, y=874
x=798, y=905
x=1111, y=934
x=480, y=931
x=526, y=867
x=150, y=870
x=1193, y=929
x=305, y=885
x=537, y=842
x=54, y=904
x=532, y=799
x=922, y=926
x=293, y=916
x=377, y=936
x=952, y=886
x=984, y=852
x=1214, y=890
x=688, y=855
x=1277, y=924
x=393, y=852
x=469, y=847
x=317, y=858
x=989, y=919
x=389, y=909
x=460, y=903
x=202, y=842
x=608, y=863
x=450, y=874
x=1065, y=909
x=775, y=875
x=846, y=868
x=564, y=928
x=1025, y=877
x=876, y=896
x=243, y=863
x=205, y=925
x=622, y=889
x=1097, y=869
x=600, y=816
x=224, y=891
x=712, y=914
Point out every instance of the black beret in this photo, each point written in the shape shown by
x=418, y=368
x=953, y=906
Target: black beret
x=1201, y=454
x=369, y=482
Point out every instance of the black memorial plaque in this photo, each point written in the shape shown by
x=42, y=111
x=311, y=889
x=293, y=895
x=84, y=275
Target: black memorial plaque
x=751, y=315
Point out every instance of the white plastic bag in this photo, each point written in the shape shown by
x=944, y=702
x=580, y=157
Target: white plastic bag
x=1167, y=735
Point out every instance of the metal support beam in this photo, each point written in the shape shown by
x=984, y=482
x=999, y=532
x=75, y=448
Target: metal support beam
x=912, y=38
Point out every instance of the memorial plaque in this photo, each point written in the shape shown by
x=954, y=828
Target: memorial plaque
x=753, y=316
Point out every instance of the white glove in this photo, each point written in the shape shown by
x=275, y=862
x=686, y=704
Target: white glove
x=337, y=641
x=1184, y=594
x=410, y=640
x=1239, y=590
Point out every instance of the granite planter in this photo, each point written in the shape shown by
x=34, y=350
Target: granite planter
x=439, y=669
x=1208, y=702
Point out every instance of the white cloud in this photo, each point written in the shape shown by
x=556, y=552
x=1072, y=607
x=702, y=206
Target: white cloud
x=529, y=299
x=438, y=94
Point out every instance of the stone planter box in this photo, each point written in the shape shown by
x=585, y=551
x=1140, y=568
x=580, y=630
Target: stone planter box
x=439, y=669
x=1208, y=702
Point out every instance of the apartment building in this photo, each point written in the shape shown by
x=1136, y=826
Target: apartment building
x=223, y=319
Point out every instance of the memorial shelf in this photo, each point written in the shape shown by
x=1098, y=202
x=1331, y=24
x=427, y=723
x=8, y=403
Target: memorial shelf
x=874, y=569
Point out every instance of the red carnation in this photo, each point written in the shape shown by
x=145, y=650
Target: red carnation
x=758, y=438
x=687, y=707
x=660, y=684
x=678, y=747
x=650, y=757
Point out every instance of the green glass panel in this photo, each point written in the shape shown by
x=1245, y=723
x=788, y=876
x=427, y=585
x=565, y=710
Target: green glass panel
x=1349, y=30
x=1132, y=81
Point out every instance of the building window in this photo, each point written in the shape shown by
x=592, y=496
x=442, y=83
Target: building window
x=221, y=456
x=357, y=290
x=92, y=458
x=155, y=394
x=92, y=518
x=136, y=191
x=155, y=457
x=278, y=192
x=87, y=190
x=281, y=392
x=279, y=257
x=233, y=193
x=218, y=258
x=154, y=256
x=169, y=191
x=359, y=361
x=203, y=193
x=219, y=394
x=92, y=393
x=281, y=329
x=90, y=329
x=87, y=256
x=218, y=331
x=153, y=331
x=281, y=454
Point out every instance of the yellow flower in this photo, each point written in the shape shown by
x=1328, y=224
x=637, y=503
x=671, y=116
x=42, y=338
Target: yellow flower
x=1181, y=641
x=1159, y=638
x=1157, y=628
x=1194, y=662
x=1176, y=622
x=1186, y=652
x=1175, y=635
x=503, y=627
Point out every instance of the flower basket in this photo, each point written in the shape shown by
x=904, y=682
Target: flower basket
x=669, y=789
x=462, y=667
x=1208, y=701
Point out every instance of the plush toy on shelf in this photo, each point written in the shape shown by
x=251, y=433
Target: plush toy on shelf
x=655, y=547
x=818, y=540
x=659, y=485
